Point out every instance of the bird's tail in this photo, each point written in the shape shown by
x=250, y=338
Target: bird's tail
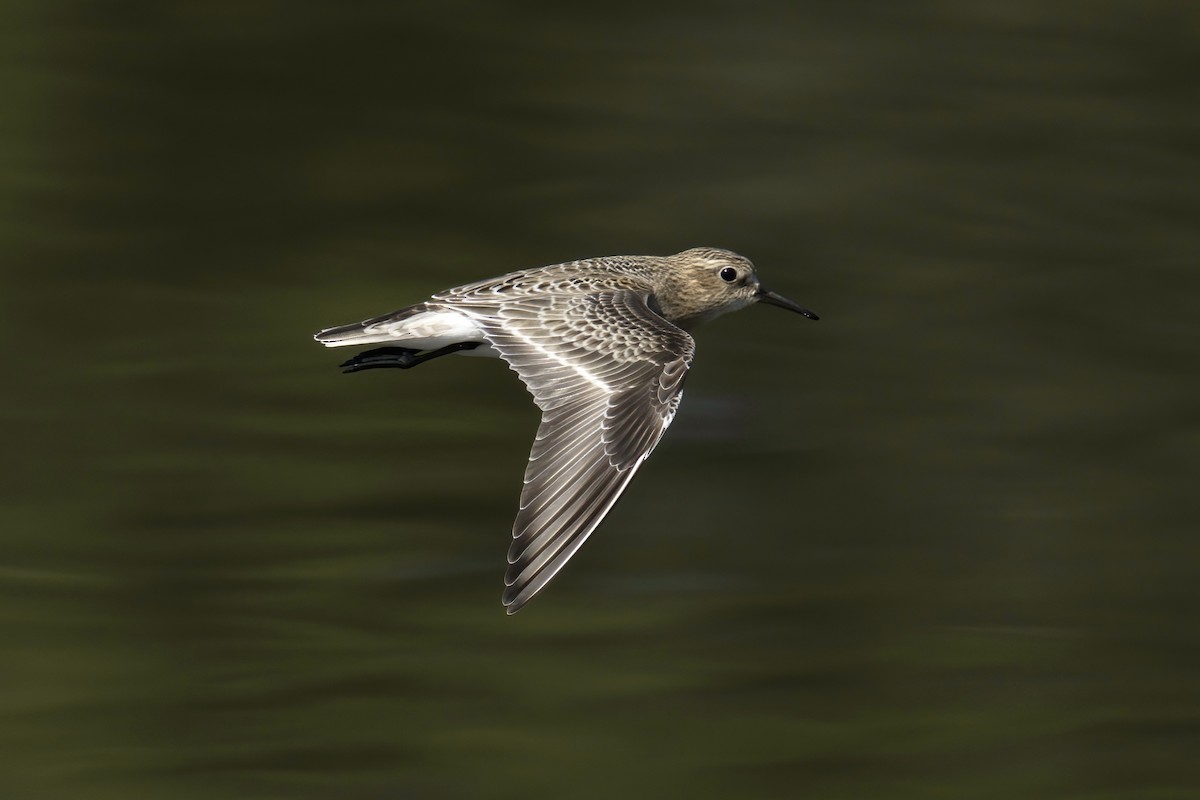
x=369, y=331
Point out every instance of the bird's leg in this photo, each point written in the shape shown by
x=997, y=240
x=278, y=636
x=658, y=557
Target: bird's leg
x=401, y=357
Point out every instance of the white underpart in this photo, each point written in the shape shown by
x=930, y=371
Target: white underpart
x=427, y=331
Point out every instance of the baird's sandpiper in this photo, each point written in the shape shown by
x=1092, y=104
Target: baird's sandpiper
x=603, y=347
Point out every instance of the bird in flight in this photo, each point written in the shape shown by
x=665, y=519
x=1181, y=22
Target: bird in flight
x=603, y=346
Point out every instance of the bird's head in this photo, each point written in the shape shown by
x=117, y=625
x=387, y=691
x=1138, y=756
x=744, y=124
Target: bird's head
x=705, y=282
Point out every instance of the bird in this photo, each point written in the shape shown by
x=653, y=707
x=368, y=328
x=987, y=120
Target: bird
x=602, y=345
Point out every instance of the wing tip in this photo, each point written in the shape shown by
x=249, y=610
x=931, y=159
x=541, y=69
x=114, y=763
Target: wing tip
x=513, y=602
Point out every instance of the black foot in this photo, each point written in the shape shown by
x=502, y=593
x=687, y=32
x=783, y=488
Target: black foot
x=380, y=358
x=400, y=357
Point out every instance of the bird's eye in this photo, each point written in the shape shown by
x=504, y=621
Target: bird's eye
x=728, y=274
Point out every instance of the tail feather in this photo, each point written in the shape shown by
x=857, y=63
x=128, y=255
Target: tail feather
x=369, y=331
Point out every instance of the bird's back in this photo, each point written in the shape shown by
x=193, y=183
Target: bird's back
x=611, y=273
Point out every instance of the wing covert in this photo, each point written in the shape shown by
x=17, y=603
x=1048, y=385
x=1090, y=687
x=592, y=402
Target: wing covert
x=607, y=373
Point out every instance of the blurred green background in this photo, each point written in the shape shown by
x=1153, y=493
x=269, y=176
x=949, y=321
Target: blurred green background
x=941, y=544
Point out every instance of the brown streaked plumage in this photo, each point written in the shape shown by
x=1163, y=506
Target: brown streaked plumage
x=602, y=345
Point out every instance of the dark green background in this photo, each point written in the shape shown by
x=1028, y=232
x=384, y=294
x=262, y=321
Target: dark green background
x=941, y=544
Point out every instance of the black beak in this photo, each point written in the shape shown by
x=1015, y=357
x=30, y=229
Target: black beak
x=772, y=299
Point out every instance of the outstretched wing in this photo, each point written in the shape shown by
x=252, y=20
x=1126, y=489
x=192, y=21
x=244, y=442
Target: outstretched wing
x=607, y=373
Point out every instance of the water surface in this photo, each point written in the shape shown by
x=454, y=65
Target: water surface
x=942, y=543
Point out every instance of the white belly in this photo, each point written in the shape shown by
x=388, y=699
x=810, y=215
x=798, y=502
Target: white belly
x=432, y=330
x=429, y=330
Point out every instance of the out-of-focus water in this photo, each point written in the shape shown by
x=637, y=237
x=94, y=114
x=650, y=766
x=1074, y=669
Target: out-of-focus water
x=941, y=544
